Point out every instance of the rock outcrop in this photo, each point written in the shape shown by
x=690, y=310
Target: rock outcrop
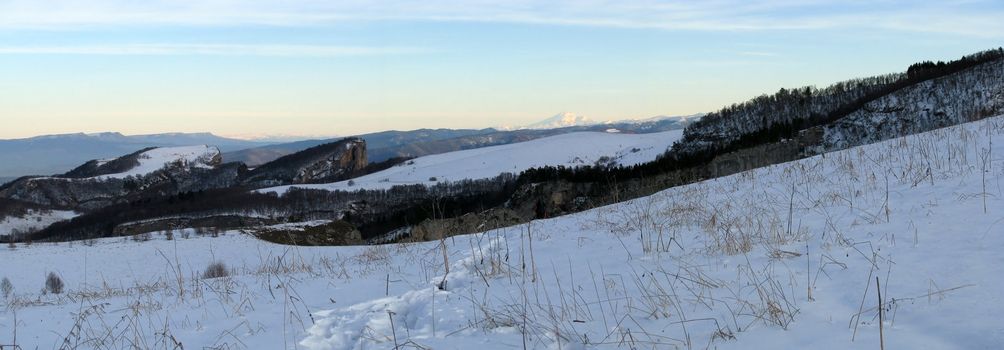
x=325, y=163
x=433, y=229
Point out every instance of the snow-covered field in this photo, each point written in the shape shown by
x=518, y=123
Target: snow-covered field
x=573, y=149
x=33, y=220
x=784, y=257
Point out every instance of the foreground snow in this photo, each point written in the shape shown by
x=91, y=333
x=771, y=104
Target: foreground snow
x=573, y=149
x=781, y=257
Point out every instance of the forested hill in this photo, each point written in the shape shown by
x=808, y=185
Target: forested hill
x=780, y=115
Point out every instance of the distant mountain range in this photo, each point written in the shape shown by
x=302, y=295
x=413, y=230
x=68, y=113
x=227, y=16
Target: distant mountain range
x=52, y=154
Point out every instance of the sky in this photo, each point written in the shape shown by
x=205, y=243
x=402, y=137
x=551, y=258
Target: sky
x=266, y=68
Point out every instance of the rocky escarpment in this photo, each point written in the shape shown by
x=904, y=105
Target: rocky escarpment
x=325, y=163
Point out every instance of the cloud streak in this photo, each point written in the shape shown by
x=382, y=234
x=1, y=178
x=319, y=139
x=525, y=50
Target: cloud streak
x=964, y=17
x=211, y=49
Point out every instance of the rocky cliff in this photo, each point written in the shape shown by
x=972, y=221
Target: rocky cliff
x=325, y=163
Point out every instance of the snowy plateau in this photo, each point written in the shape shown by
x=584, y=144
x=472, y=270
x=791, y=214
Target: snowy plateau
x=782, y=257
x=571, y=150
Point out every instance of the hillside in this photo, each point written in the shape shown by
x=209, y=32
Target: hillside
x=776, y=257
x=380, y=140
x=99, y=183
x=53, y=154
x=416, y=143
x=316, y=164
x=571, y=150
x=148, y=161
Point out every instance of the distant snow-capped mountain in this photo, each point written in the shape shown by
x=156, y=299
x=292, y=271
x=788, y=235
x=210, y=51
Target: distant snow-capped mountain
x=561, y=120
x=569, y=119
x=679, y=118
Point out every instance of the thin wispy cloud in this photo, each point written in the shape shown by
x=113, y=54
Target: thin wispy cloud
x=211, y=49
x=759, y=54
x=976, y=17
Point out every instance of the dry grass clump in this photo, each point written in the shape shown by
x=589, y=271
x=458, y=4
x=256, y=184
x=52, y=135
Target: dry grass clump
x=53, y=284
x=216, y=269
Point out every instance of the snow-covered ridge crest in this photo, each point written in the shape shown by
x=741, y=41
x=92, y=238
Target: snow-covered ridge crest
x=201, y=156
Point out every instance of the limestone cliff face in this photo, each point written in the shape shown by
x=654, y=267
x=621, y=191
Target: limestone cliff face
x=325, y=163
x=334, y=164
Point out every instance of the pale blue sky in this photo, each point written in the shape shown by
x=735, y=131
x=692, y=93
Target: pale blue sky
x=296, y=67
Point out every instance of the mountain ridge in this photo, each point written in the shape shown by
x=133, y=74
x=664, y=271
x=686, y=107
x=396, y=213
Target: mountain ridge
x=58, y=153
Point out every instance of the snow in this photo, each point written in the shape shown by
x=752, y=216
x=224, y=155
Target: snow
x=33, y=220
x=784, y=256
x=159, y=158
x=572, y=149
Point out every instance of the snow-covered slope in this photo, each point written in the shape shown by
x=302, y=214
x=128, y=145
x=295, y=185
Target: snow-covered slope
x=159, y=158
x=782, y=257
x=33, y=220
x=573, y=149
